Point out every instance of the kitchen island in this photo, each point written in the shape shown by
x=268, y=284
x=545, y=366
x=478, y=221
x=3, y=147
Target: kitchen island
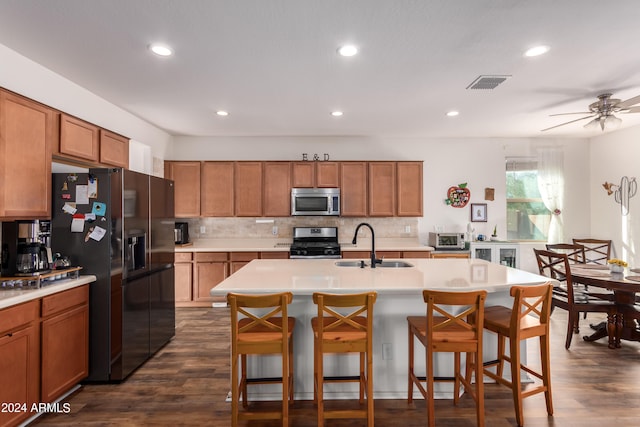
x=399, y=295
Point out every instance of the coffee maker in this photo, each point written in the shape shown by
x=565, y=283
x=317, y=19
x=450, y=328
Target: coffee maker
x=26, y=248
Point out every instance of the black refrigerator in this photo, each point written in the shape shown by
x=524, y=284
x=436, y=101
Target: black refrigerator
x=118, y=225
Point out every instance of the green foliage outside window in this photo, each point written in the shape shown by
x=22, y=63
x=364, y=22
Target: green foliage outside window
x=527, y=217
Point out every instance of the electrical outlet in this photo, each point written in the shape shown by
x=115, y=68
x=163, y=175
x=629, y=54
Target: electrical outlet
x=203, y=229
x=438, y=228
x=407, y=229
x=387, y=351
x=274, y=230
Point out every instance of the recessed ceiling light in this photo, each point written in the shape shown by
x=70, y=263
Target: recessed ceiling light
x=336, y=113
x=161, y=50
x=537, y=51
x=222, y=113
x=452, y=113
x=348, y=50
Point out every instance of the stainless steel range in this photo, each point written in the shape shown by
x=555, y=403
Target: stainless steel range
x=315, y=242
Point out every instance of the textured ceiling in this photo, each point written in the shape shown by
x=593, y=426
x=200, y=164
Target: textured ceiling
x=273, y=64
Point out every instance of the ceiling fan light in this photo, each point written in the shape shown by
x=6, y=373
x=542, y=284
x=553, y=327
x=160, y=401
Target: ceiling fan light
x=611, y=122
x=593, y=124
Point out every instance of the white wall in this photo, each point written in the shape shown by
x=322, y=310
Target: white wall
x=23, y=76
x=613, y=156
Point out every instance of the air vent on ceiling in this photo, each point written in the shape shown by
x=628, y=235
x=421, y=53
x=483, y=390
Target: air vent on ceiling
x=487, y=82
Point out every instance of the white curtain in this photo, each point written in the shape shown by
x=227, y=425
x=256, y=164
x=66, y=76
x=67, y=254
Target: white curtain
x=551, y=186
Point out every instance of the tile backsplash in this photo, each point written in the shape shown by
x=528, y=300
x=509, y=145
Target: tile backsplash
x=225, y=228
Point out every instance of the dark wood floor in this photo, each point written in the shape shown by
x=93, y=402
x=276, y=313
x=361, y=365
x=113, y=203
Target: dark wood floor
x=185, y=384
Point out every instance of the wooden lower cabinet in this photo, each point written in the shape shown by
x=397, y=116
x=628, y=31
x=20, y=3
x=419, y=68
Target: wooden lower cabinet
x=385, y=254
x=198, y=272
x=65, y=341
x=19, y=361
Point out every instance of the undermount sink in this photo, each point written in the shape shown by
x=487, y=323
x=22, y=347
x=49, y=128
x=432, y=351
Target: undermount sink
x=384, y=264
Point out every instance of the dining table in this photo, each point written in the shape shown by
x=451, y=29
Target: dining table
x=622, y=321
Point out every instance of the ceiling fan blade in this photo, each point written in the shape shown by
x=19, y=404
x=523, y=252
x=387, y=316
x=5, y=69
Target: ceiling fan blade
x=629, y=102
x=565, y=114
x=566, y=123
x=632, y=110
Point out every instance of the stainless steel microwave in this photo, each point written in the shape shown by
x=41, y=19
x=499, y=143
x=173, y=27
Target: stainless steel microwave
x=315, y=201
x=446, y=240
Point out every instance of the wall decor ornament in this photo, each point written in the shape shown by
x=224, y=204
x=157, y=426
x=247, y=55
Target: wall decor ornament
x=478, y=212
x=458, y=196
x=623, y=192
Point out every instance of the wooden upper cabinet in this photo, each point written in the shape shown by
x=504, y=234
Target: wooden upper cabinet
x=114, y=149
x=217, y=189
x=303, y=174
x=79, y=138
x=382, y=188
x=186, y=177
x=248, y=188
x=277, y=189
x=353, y=188
x=315, y=174
x=409, y=188
x=26, y=138
x=327, y=175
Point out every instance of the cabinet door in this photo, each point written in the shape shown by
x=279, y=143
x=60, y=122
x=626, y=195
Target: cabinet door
x=26, y=135
x=327, y=174
x=353, y=188
x=303, y=174
x=186, y=177
x=248, y=188
x=65, y=351
x=79, y=138
x=277, y=188
x=208, y=275
x=382, y=188
x=449, y=255
x=183, y=281
x=114, y=149
x=507, y=255
x=19, y=372
x=409, y=188
x=482, y=252
x=217, y=189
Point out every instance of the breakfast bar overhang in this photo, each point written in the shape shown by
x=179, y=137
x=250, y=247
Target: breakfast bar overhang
x=399, y=295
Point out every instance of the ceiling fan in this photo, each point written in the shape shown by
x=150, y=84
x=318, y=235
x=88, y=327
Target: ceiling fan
x=601, y=112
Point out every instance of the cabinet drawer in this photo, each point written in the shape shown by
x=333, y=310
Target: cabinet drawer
x=183, y=256
x=243, y=256
x=64, y=300
x=12, y=317
x=416, y=254
x=211, y=256
x=274, y=255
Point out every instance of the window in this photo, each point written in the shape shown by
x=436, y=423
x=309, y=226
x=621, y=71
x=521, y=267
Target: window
x=527, y=216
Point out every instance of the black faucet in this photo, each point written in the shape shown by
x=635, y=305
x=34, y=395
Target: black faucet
x=374, y=260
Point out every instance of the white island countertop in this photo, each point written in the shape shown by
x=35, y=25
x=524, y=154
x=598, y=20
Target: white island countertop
x=303, y=277
x=10, y=297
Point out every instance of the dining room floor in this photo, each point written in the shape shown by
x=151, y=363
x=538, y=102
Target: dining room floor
x=186, y=383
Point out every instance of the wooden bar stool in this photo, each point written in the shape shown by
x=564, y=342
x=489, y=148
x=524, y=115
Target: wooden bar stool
x=260, y=333
x=351, y=332
x=528, y=318
x=441, y=330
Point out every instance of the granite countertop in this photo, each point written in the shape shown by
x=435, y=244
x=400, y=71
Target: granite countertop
x=10, y=297
x=305, y=276
x=282, y=245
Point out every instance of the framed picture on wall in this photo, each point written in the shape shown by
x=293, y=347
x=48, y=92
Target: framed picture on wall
x=478, y=212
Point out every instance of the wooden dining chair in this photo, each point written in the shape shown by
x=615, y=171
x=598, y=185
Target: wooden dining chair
x=260, y=326
x=453, y=324
x=568, y=295
x=597, y=251
x=527, y=318
x=344, y=324
x=575, y=252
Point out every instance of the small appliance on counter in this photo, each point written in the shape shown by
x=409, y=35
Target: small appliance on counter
x=25, y=248
x=181, y=233
x=447, y=241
